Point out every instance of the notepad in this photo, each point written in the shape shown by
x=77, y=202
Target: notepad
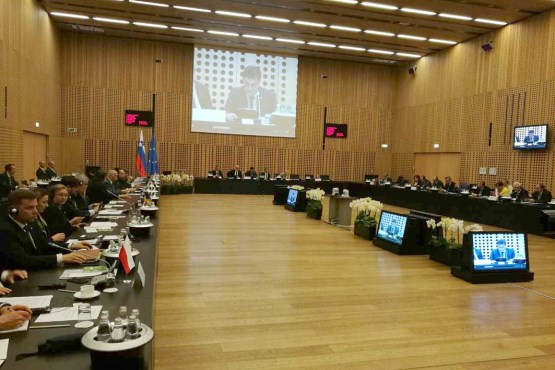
x=66, y=314
x=32, y=301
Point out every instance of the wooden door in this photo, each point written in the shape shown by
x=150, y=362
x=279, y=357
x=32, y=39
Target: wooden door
x=35, y=149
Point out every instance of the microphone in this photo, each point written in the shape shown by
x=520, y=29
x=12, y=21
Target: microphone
x=77, y=252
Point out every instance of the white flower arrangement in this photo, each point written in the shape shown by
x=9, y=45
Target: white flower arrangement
x=175, y=179
x=452, y=228
x=367, y=210
x=315, y=194
x=297, y=187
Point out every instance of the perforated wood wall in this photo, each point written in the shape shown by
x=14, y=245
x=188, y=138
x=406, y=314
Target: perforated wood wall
x=457, y=94
x=29, y=80
x=104, y=76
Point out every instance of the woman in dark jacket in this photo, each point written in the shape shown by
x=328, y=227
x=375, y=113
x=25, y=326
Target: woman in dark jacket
x=53, y=214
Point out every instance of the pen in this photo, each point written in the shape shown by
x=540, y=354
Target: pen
x=67, y=291
x=50, y=326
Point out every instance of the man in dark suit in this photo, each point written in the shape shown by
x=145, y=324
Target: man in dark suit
x=217, y=172
x=502, y=252
x=483, y=190
x=392, y=229
x=41, y=171
x=121, y=183
x=531, y=138
x=519, y=193
x=463, y=186
x=19, y=249
x=449, y=186
x=80, y=197
x=201, y=96
x=250, y=97
x=111, y=191
x=251, y=173
x=541, y=195
x=235, y=173
x=7, y=181
x=50, y=171
x=265, y=175
x=76, y=205
x=96, y=192
x=437, y=183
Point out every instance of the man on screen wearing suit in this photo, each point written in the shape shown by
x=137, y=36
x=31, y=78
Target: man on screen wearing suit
x=7, y=181
x=392, y=229
x=41, y=173
x=250, y=96
x=502, y=252
x=531, y=138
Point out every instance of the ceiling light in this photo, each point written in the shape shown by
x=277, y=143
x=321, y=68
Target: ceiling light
x=343, y=28
x=411, y=37
x=354, y=48
x=353, y=2
x=110, y=20
x=418, y=11
x=187, y=29
x=436, y=146
x=200, y=10
x=223, y=33
x=291, y=41
x=440, y=41
x=311, y=24
x=408, y=55
x=379, y=51
x=272, y=19
x=233, y=14
x=455, y=16
x=151, y=25
x=490, y=21
x=322, y=44
x=258, y=37
x=149, y=3
x=379, y=5
x=69, y=15
x=379, y=33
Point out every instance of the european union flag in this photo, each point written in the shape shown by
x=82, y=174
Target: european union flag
x=153, y=168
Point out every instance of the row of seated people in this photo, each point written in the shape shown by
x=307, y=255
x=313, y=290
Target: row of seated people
x=501, y=189
x=35, y=226
x=8, y=182
x=236, y=173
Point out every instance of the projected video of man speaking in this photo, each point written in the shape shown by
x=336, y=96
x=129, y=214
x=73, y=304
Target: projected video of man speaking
x=244, y=93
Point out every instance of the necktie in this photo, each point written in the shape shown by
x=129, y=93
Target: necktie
x=236, y=174
x=26, y=230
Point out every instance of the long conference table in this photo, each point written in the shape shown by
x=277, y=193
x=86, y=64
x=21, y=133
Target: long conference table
x=129, y=294
x=530, y=218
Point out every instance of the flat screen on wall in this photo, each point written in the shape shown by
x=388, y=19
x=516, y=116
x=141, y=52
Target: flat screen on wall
x=530, y=137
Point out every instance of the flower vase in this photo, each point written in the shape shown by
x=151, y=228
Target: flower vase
x=364, y=231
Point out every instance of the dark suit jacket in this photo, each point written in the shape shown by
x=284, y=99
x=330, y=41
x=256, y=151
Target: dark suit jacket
x=543, y=197
x=265, y=175
x=18, y=252
x=450, y=187
x=203, y=95
x=252, y=174
x=57, y=221
x=42, y=174
x=438, y=184
x=484, y=192
x=237, y=99
x=217, y=173
x=521, y=195
x=121, y=184
x=533, y=140
x=478, y=254
x=495, y=254
x=71, y=208
x=96, y=192
x=231, y=173
x=51, y=172
x=7, y=185
x=82, y=202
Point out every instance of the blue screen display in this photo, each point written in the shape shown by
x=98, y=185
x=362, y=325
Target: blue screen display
x=392, y=227
x=530, y=137
x=499, y=251
x=292, y=197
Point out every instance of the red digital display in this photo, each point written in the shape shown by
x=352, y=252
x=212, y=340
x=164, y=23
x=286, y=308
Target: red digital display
x=138, y=118
x=336, y=130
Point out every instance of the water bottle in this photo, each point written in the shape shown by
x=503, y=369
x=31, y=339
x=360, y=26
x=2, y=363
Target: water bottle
x=104, y=331
x=123, y=315
x=132, y=328
x=135, y=312
x=118, y=334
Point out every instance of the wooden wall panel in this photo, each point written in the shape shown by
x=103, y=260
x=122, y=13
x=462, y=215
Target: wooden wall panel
x=104, y=76
x=29, y=68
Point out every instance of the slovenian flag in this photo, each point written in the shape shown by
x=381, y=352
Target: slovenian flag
x=140, y=160
x=126, y=257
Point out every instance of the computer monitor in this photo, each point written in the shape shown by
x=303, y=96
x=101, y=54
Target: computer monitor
x=530, y=137
x=497, y=252
x=292, y=197
x=392, y=227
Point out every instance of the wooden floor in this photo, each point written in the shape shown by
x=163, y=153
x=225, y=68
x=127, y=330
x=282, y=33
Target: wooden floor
x=245, y=285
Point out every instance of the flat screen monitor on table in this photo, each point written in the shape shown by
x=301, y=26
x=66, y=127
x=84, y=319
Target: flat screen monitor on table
x=498, y=251
x=292, y=197
x=392, y=227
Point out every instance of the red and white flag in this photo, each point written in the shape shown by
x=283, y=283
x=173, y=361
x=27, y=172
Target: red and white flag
x=125, y=256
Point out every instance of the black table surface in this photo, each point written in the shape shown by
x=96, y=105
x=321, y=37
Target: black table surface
x=509, y=215
x=129, y=294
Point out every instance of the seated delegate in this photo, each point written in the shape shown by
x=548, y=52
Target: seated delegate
x=501, y=190
x=22, y=245
x=54, y=214
x=502, y=252
x=519, y=193
x=235, y=173
x=541, y=195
